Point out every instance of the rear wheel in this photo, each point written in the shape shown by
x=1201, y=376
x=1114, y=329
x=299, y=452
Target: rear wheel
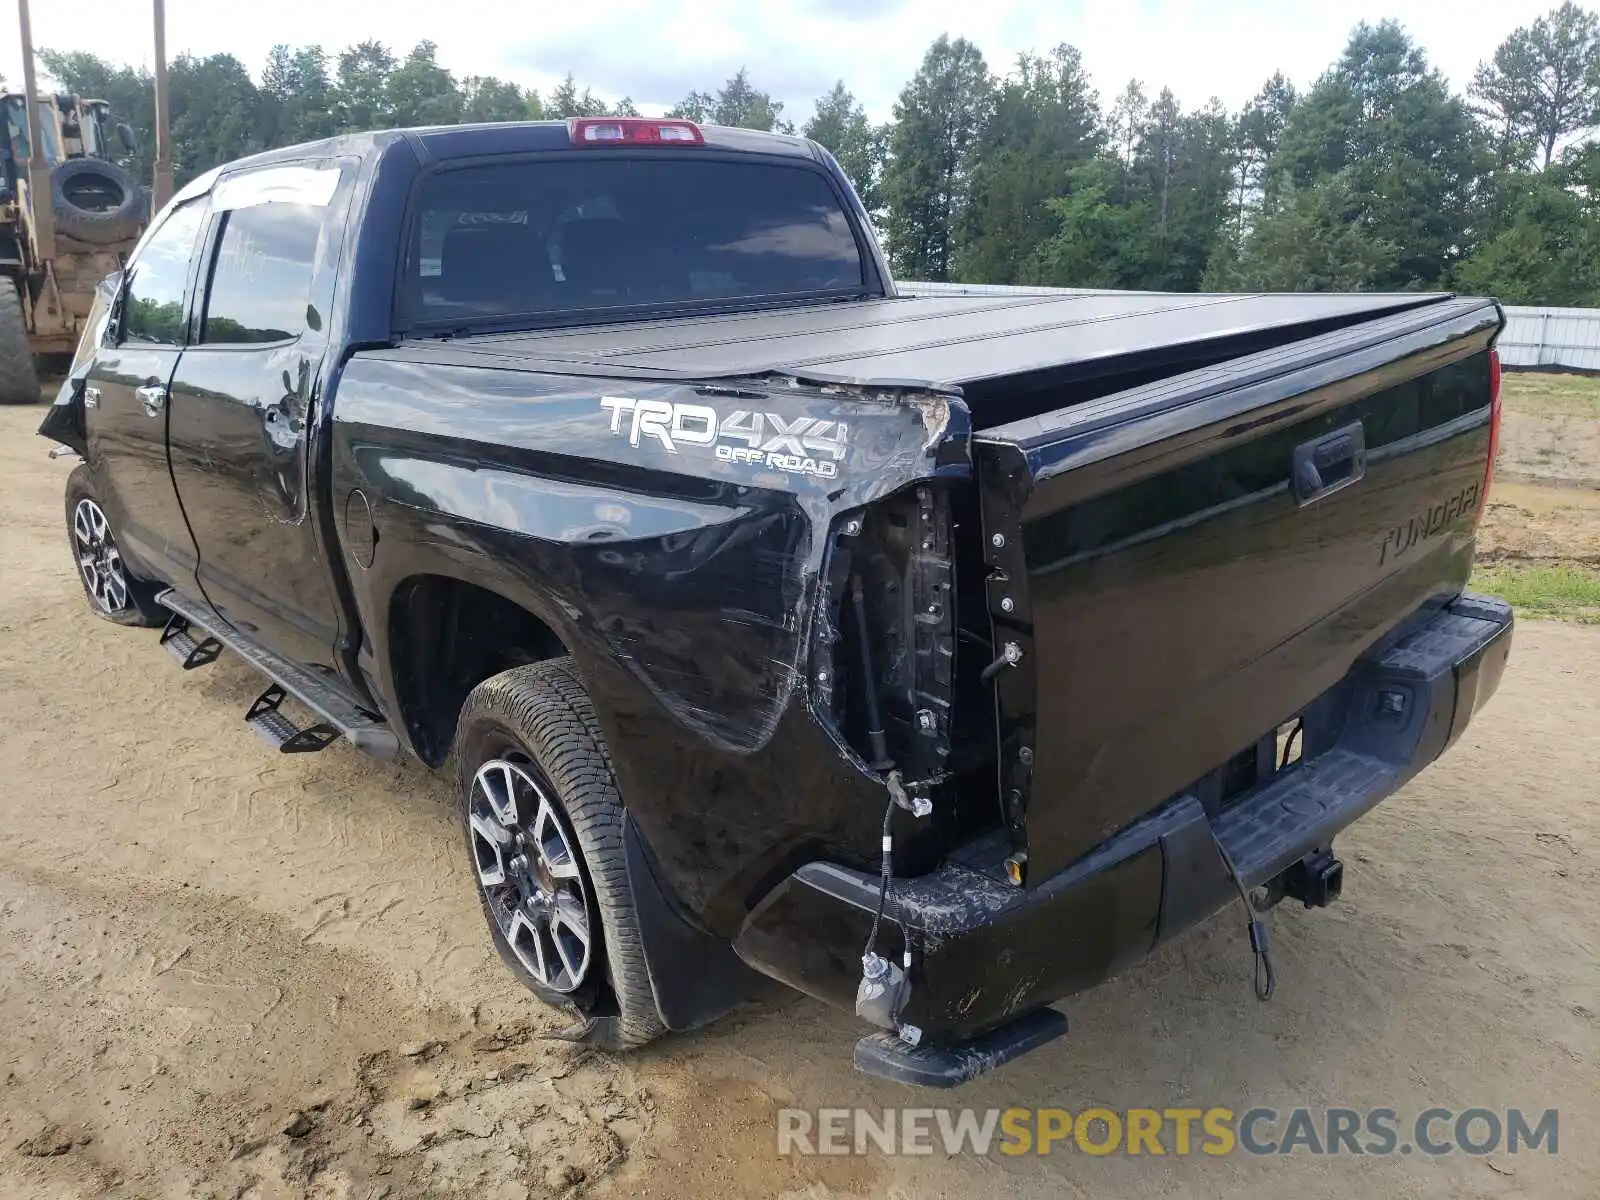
x=19, y=377
x=113, y=591
x=542, y=820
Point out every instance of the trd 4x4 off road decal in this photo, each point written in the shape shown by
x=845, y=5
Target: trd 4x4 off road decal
x=800, y=445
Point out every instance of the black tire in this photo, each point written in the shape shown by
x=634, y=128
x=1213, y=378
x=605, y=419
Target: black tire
x=95, y=201
x=19, y=376
x=134, y=603
x=542, y=714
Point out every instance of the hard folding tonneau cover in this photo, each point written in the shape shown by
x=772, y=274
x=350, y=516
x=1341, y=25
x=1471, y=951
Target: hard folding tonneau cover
x=975, y=342
x=1174, y=587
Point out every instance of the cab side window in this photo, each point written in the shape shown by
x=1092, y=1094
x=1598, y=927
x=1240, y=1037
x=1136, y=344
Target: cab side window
x=153, y=308
x=261, y=279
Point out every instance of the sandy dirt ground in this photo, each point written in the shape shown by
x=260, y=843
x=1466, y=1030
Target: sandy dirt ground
x=231, y=974
x=1550, y=433
x=1540, y=524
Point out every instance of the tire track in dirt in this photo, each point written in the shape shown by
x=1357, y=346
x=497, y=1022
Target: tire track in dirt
x=202, y=1058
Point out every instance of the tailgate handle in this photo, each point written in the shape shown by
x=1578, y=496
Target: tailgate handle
x=1326, y=464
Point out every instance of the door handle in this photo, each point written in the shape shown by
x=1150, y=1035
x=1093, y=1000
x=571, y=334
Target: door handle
x=91, y=397
x=1324, y=465
x=154, y=398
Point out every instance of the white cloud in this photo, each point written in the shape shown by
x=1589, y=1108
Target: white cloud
x=656, y=52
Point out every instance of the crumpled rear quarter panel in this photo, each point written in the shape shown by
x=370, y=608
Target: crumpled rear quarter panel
x=683, y=585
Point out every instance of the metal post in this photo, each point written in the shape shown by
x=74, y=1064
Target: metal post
x=162, y=184
x=34, y=166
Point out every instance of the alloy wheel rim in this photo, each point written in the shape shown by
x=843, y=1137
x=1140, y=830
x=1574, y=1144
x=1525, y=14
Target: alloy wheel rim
x=99, y=560
x=528, y=868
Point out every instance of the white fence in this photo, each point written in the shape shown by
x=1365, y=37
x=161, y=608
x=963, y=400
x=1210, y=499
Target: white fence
x=1534, y=337
x=1552, y=337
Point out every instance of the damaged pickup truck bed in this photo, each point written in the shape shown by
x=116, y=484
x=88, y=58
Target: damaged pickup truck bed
x=935, y=655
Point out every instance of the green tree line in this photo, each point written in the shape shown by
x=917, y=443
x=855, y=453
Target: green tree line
x=1376, y=177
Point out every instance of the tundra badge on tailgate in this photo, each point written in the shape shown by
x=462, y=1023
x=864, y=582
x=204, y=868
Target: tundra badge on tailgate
x=1428, y=524
x=801, y=446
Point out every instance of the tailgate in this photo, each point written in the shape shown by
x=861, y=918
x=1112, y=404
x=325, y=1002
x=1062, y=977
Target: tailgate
x=1184, y=566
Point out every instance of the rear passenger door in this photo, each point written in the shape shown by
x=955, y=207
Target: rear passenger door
x=244, y=404
x=125, y=399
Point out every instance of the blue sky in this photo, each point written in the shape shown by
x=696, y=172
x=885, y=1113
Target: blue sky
x=657, y=51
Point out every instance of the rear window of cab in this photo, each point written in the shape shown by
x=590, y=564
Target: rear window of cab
x=579, y=238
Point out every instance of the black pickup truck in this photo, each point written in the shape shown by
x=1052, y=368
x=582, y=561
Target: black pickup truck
x=937, y=655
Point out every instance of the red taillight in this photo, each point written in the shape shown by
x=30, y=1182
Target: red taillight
x=1494, y=428
x=633, y=131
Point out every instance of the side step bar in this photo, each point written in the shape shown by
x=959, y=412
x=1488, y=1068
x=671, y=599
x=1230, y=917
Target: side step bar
x=178, y=637
x=340, y=715
x=277, y=730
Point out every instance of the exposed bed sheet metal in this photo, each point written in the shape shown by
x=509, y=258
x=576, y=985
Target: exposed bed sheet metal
x=923, y=341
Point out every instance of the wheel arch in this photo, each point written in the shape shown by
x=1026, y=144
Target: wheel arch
x=445, y=636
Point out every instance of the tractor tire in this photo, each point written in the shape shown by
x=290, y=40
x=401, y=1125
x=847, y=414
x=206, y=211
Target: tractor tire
x=95, y=201
x=19, y=377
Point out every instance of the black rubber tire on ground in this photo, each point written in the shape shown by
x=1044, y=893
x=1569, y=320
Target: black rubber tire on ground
x=544, y=711
x=95, y=201
x=140, y=607
x=19, y=377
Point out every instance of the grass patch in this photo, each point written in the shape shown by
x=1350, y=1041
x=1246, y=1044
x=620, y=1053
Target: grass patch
x=1543, y=395
x=1566, y=591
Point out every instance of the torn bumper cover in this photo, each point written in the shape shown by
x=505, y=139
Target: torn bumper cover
x=985, y=954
